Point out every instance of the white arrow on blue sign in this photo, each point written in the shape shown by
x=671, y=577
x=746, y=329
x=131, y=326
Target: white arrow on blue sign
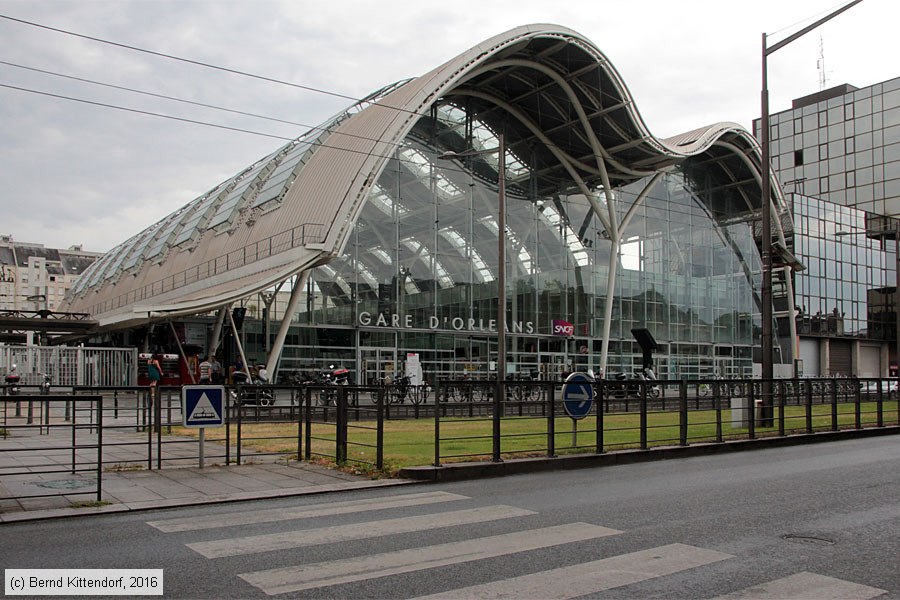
x=203, y=405
x=578, y=395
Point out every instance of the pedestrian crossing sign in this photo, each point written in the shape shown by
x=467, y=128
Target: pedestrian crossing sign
x=203, y=405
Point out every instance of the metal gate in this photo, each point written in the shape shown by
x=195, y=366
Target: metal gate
x=840, y=352
x=67, y=366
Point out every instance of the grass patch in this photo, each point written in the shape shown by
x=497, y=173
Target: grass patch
x=120, y=467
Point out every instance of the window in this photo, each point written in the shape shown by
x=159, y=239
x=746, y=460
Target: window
x=851, y=179
x=823, y=151
x=848, y=111
x=798, y=157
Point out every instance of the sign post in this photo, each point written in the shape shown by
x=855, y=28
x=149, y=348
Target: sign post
x=202, y=406
x=578, y=398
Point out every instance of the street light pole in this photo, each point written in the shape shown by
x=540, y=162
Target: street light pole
x=501, y=281
x=501, y=294
x=766, y=232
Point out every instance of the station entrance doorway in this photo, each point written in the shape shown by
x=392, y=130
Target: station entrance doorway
x=375, y=364
x=553, y=365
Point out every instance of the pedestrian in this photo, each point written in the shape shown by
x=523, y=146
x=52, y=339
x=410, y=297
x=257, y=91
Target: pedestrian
x=205, y=371
x=238, y=367
x=154, y=371
x=215, y=370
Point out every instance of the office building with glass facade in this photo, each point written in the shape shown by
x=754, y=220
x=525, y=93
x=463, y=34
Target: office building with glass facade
x=837, y=153
x=382, y=231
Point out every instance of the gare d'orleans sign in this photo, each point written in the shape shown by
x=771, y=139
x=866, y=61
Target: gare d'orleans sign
x=367, y=319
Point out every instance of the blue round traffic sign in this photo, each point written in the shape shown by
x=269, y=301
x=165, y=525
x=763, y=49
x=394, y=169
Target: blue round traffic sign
x=578, y=395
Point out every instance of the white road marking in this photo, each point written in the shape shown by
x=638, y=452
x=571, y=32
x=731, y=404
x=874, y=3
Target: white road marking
x=213, y=521
x=292, y=579
x=592, y=577
x=806, y=586
x=353, y=531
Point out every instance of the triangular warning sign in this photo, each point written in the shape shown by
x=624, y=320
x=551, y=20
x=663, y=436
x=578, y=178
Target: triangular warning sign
x=204, y=410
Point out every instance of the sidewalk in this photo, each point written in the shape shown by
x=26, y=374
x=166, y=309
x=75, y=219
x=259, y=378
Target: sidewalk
x=128, y=484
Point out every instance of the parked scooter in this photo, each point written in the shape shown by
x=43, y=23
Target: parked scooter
x=647, y=374
x=12, y=381
x=328, y=379
x=628, y=384
x=252, y=392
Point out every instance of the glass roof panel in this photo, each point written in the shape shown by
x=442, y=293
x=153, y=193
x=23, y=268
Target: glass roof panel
x=524, y=256
x=115, y=258
x=572, y=241
x=287, y=169
x=381, y=255
x=164, y=237
x=421, y=167
x=458, y=241
x=233, y=201
x=383, y=201
x=82, y=281
x=444, y=279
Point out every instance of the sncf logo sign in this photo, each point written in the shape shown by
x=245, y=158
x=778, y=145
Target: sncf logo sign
x=563, y=328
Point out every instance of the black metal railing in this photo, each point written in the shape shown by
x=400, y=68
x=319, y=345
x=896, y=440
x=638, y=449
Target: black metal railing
x=134, y=428
x=642, y=414
x=45, y=448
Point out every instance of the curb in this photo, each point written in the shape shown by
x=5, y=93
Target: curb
x=146, y=505
x=465, y=471
x=477, y=470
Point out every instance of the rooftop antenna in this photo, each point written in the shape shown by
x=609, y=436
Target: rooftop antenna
x=820, y=65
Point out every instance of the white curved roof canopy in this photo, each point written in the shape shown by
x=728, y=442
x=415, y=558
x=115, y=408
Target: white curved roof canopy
x=559, y=101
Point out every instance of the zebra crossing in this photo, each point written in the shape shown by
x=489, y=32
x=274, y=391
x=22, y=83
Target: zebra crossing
x=589, y=577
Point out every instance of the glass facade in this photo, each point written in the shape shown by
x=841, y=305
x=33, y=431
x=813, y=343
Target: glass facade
x=849, y=285
x=844, y=149
x=837, y=154
x=419, y=273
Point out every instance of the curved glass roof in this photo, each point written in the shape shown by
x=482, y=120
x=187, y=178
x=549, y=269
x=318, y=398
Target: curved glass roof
x=570, y=126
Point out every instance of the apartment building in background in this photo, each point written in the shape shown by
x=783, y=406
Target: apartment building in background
x=34, y=277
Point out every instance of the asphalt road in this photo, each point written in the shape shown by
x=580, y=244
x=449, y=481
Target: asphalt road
x=813, y=521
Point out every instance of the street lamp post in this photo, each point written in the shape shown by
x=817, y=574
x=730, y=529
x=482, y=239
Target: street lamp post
x=501, y=279
x=766, y=233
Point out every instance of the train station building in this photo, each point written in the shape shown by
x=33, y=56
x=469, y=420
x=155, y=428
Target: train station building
x=375, y=240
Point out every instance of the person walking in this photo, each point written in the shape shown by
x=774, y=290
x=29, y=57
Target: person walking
x=154, y=371
x=215, y=369
x=205, y=371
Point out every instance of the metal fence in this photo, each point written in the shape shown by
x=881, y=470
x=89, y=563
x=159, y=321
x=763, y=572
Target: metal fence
x=46, y=447
x=95, y=429
x=531, y=419
x=71, y=366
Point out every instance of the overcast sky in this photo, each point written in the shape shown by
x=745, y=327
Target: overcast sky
x=74, y=173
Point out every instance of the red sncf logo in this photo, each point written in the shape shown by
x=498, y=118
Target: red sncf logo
x=561, y=327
